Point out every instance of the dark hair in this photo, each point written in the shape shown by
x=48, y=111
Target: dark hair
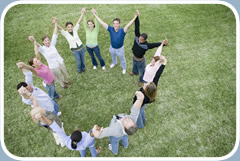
x=116, y=19
x=144, y=35
x=30, y=61
x=133, y=129
x=68, y=23
x=24, y=84
x=76, y=136
x=92, y=22
x=44, y=37
x=156, y=58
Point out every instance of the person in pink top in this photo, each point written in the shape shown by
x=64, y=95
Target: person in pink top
x=42, y=70
x=151, y=77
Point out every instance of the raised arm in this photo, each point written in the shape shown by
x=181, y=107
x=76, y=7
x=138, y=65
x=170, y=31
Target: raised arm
x=33, y=40
x=139, y=101
x=94, y=12
x=21, y=65
x=131, y=22
x=54, y=21
x=82, y=13
x=137, y=27
x=34, y=100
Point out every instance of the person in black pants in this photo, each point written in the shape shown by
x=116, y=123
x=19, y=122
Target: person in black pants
x=139, y=48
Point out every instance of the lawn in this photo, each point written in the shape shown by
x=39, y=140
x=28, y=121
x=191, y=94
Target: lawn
x=194, y=114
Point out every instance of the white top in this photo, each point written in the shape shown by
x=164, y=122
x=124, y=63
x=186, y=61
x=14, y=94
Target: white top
x=74, y=40
x=82, y=145
x=151, y=70
x=44, y=101
x=51, y=54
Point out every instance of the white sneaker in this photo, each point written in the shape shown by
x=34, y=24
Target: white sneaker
x=124, y=71
x=94, y=67
x=59, y=113
x=110, y=147
x=103, y=68
x=112, y=65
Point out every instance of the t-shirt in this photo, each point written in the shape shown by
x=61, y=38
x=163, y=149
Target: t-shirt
x=117, y=38
x=45, y=73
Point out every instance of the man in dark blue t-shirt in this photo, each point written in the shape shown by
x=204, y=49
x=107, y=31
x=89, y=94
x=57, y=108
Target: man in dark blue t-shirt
x=117, y=35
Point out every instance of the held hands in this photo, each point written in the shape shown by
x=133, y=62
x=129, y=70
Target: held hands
x=31, y=38
x=83, y=10
x=137, y=13
x=20, y=65
x=139, y=95
x=24, y=91
x=54, y=20
x=37, y=113
x=94, y=11
x=97, y=130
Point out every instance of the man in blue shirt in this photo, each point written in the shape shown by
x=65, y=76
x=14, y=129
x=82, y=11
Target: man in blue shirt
x=117, y=35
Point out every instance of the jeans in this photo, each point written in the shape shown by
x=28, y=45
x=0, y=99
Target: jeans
x=51, y=89
x=92, y=150
x=96, y=49
x=115, y=142
x=120, y=53
x=141, y=117
x=139, y=66
x=79, y=56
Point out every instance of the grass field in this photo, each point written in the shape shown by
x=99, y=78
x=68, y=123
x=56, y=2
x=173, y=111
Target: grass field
x=195, y=111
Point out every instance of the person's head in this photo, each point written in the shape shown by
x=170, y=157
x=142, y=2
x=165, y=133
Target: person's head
x=150, y=90
x=76, y=137
x=69, y=26
x=25, y=85
x=129, y=126
x=142, y=38
x=91, y=24
x=34, y=62
x=116, y=23
x=154, y=60
x=46, y=40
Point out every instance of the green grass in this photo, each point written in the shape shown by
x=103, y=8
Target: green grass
x=195, y=111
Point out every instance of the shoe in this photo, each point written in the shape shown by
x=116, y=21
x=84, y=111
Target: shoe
x=99, y=149
x=79, y=72
x=103, y=68
x=94, y=67
x=68, y=83
x=65, y=86
x=83, y=70
x=131, y=73
x=140, y=84
x=112, y=65
x=110, y=147
x=60, y=96
x=124, y=71
x=59, y=113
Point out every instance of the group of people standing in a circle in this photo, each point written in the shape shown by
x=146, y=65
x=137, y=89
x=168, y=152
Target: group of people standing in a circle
x=45, y=108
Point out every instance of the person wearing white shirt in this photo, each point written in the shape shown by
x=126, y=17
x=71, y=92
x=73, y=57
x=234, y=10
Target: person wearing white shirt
x=50, y=53
x=75, y=44
x=44, y=101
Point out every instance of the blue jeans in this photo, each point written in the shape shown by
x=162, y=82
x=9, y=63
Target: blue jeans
x=92, y=150
x=51, y=89
x=120, y=53
x=139, y=66
x=96, y=49
x=79, y=56
x=141, y=117
x=115, y=143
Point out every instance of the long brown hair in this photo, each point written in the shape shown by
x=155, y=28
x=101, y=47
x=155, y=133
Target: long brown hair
x=151, y=91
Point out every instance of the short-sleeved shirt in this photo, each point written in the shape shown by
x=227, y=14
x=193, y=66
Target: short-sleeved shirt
x=117, y=38
x=45, y=73
x=51, y=54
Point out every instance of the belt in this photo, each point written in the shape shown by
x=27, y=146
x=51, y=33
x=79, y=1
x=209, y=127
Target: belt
x=138, y=59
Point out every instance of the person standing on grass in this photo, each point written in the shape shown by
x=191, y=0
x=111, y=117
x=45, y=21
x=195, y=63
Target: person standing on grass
x=41, y=70
x=92, y=29
x=78, y=140
x=50, y=53
x=122, y=125
x=43, y=99
x=75, y=43
x=117, y=36
x=151, y=78
x=140, y=46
